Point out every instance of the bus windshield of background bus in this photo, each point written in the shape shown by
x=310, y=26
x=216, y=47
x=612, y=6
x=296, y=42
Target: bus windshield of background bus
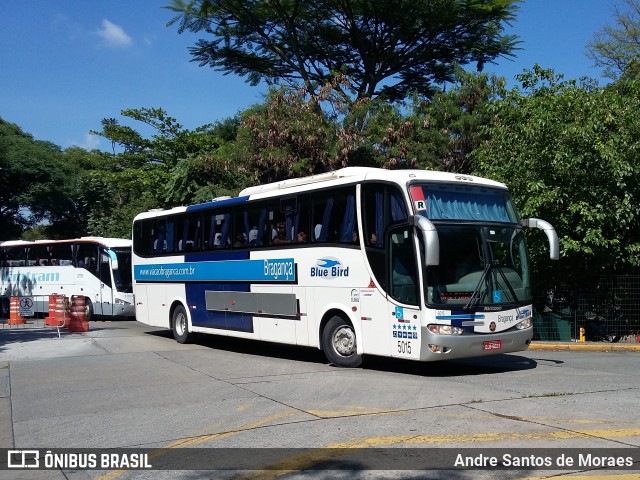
x=462, y=202
x=479, y=265
x=123, y=275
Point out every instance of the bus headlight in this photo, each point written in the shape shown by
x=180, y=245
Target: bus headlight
x=526, y=323
x=119, y=301
x=445, y=329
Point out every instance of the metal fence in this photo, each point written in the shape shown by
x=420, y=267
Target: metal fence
x=608, y=312
x=37, y=311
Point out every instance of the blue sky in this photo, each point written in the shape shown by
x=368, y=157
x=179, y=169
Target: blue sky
x=67, y=64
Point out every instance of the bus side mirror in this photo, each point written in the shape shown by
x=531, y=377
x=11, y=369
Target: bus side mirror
x=550, y=232
x=430, y=238
x=114, y=259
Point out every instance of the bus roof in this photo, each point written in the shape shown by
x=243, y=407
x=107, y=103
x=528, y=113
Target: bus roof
x=344, y=176
x=104, y=241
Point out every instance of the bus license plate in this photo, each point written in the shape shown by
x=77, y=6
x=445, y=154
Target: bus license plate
x=493, y=345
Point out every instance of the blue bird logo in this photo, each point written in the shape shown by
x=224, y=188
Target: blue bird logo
x=328, y=263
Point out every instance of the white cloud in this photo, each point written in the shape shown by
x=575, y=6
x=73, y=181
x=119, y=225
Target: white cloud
x=113, y=36
x=91, y=142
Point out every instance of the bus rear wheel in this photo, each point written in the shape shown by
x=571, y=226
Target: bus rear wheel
x=180, y=326
x=339, y=343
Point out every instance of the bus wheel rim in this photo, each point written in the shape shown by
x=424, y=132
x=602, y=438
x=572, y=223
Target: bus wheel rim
x=181, y=324
x=344, y=341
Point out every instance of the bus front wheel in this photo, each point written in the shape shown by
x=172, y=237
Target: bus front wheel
x=339, y=343
x=88, y=309
x=180, y=325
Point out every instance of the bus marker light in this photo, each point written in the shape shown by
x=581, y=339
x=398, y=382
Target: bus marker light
x=354, y=309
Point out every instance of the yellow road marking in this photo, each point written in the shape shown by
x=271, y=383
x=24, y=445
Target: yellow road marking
x=492, y=437
x=307, y=460
x=564, y=476
x=347, y=413
x=185, y=442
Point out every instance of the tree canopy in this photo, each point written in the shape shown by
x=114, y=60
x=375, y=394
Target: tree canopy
x=617, y=48
x=33, y=181
x=385, y=47
x=568, y=153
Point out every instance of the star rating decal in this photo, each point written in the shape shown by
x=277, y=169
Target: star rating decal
x=405, y=331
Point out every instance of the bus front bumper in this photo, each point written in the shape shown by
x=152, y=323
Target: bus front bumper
x=449, y=347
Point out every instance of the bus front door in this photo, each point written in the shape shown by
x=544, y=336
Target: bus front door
x=403, y=293
x=106, y=287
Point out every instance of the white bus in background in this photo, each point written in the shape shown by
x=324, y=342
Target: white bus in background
x=97, y=268
x=412, y=264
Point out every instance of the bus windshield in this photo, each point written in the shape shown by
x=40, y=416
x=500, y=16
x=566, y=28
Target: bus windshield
x=479, y=266
x=122, y=276
x=463, y=202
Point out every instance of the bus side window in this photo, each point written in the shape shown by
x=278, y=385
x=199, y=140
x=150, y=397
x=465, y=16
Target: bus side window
x=62, y=253
x=322, y=211
x=86, y=255
x=223, y=238
x=143, y=237
x=294, y=210
x=188, y=234
x=216, y=230
x=160, y=243
x=349, y=225
x=254, y=222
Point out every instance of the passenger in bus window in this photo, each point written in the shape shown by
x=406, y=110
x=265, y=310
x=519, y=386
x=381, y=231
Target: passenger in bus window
x=281, y=236
x=160, y=243
x=217, y=239
x=241, y=240
x=301, y=237
x=253, y=236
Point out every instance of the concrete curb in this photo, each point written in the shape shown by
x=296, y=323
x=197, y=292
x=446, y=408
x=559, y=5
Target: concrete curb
x=585, y=346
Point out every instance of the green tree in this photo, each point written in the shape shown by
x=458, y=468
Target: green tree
x=175, y=166
x=32, y=181
x=287, y=136
x=617, y=48
x=568, y=151
x=169, y=143
x=438, y=133
x=386, y=47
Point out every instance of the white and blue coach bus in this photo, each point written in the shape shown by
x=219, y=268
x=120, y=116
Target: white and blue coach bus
x=407, y=263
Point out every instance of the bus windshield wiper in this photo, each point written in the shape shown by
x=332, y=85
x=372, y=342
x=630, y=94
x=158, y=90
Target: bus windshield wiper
x=514, y=297
x=473, y=302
